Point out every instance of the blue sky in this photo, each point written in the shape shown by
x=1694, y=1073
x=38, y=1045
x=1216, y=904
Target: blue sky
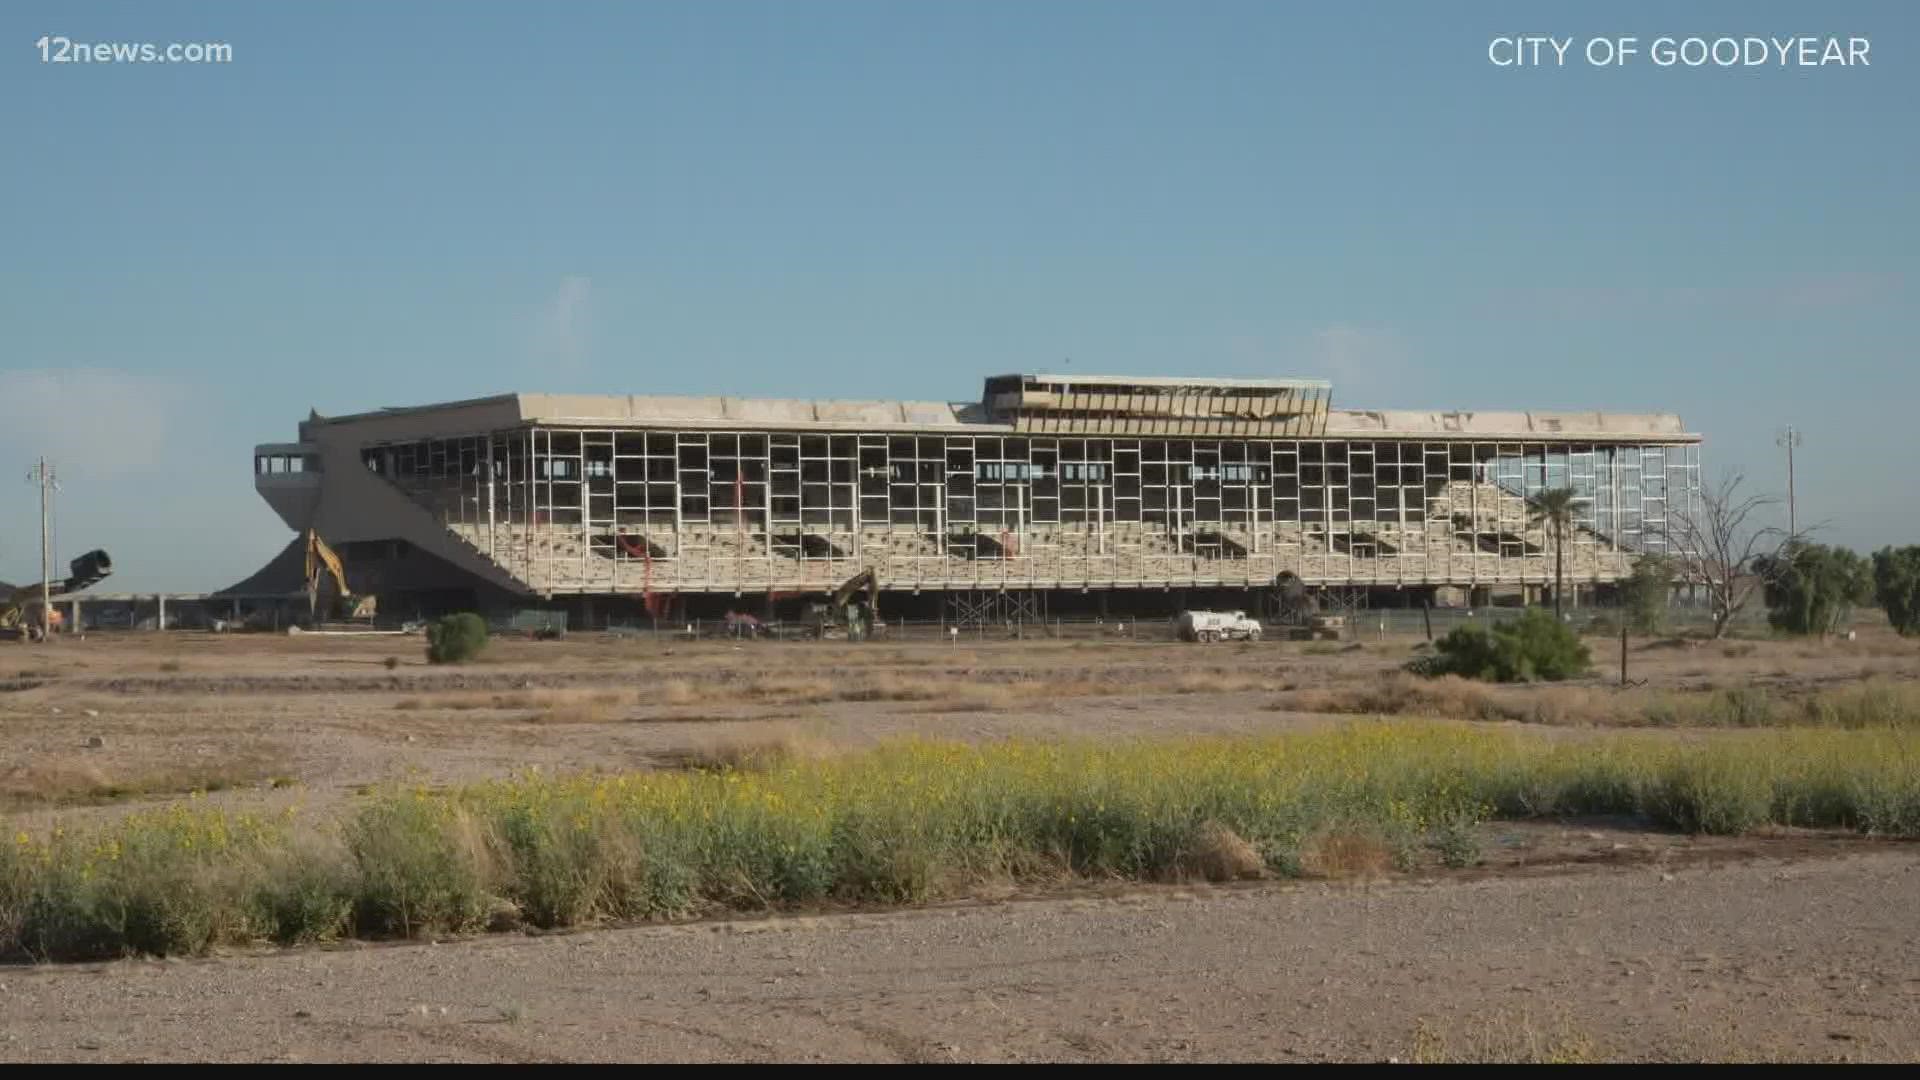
x=385, y=204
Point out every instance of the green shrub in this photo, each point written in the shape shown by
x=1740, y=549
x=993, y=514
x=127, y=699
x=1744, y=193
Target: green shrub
x=1812, y=588
x=304, y=895
x=1722, y=794
x=1646, y=593
x=456, y=639
x=419, y=865
x=1896, y=585
x=902, y=824
x=1455, y=838
x=1532, y=647
x=560, y=865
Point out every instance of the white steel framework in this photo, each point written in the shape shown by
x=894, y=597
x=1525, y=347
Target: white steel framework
x=595, y=510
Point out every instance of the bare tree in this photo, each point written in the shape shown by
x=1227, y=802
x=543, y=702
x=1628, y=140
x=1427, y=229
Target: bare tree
x=1716, y=545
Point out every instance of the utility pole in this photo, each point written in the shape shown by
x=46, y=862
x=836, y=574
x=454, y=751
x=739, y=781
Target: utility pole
x=1790, y=439
x=42, y=474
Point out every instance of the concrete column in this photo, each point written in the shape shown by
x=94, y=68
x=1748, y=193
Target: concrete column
x=73, y=627
x=160, y=618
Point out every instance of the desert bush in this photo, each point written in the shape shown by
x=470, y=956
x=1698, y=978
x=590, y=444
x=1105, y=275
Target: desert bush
x=906, y=823
x=1896, y=586
x=1876, y=703
x=1646, y=593
x=1456, y=838
x=1534, y=646
x=173, y=882
x=1810, y=588
x=1710, y=794
x=559, y=856
x=455, y=639
x=419, y=867
x=303, y=894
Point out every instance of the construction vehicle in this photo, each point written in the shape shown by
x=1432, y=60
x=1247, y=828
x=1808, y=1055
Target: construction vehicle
x=1320, y=628
x=322, y=559
x=851, y=611
x=21, y=617
x=1216, y=626
x=1300, y=612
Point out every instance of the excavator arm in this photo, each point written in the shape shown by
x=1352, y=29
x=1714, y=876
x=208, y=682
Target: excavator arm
x=852, y=612
x=321, y=557
x=865, y=581
x=83, y=572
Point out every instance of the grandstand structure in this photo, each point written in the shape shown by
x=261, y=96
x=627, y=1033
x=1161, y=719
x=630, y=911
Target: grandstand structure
x=1088, y=489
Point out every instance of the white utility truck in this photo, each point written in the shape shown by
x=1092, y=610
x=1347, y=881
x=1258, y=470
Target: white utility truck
x=1216, y=626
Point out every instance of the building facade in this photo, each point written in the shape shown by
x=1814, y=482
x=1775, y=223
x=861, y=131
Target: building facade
x=1074, y=485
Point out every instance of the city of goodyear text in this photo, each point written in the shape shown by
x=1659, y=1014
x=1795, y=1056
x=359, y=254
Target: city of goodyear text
x=1547, y=50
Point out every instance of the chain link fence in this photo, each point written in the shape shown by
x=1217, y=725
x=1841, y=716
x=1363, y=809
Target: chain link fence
x=1360, y=625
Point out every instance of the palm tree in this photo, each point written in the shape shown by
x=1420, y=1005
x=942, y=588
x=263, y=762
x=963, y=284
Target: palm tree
x=1554, y=509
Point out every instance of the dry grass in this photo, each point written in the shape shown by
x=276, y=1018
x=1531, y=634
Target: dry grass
x=1211, y=682
x=580, y=707
x=960, y=694
x=72, y=780
x=1217, y=853
x=1347, y=854
x=760, y=752
x=1504, y=1038
x=936, y=693
x=570, y=706
x=1401, y=694
x=760, y=825
x=1867, y=704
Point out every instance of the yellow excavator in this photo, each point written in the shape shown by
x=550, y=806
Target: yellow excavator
x=20, y=615
x=323, y=560
x=852, y=610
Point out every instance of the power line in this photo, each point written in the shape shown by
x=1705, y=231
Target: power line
x=42, y=474
x=1790, y=438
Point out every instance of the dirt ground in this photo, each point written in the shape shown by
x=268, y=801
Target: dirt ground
x=1591, y=940
x=1760, y=959
x=315, y=719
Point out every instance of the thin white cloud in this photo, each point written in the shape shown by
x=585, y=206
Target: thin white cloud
x=1366, y=358
x=1801, y=294
x=1362, y=362
x=89, y=420
x=563, y=325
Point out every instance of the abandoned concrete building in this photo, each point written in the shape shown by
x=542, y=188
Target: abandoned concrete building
x=1062, y=493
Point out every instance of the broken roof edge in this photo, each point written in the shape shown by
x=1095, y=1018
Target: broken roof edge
x=405, y=410
x=718, y=411
x=1532, y=424
x=1173, y=381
